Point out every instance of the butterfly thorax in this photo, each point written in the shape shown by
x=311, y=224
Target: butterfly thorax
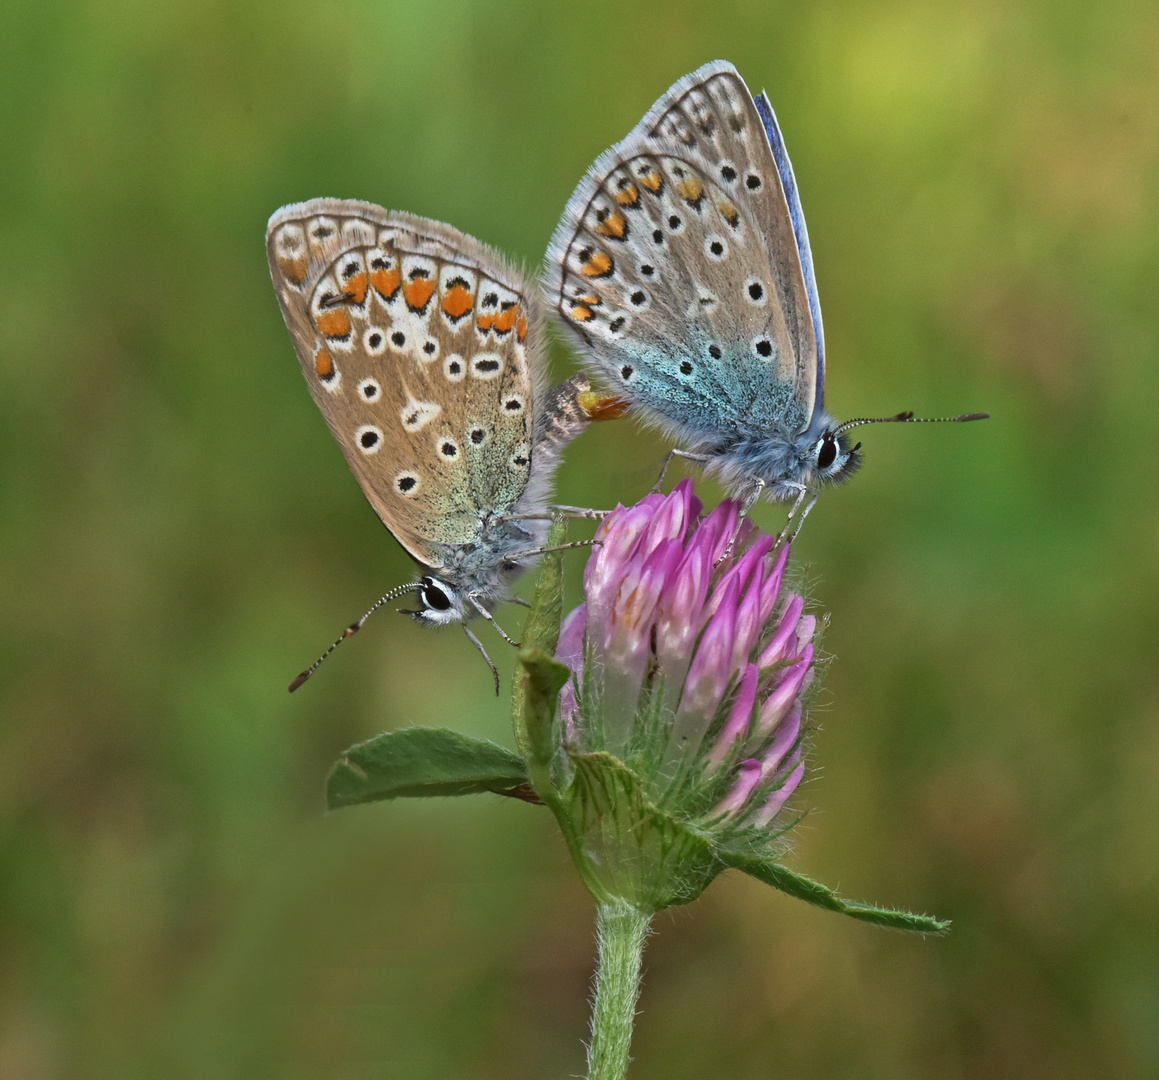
x=785, y=463
x=480, y=571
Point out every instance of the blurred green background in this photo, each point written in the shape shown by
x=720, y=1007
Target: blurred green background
x=180, y=536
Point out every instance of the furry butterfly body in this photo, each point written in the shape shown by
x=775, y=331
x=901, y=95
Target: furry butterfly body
x=422, y=347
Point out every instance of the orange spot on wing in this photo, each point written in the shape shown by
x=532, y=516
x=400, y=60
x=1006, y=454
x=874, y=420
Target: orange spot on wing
x=506, y=319
x=486, y=321
x=356, y=287
x=521, y=328
x=599, y=265
x=614, y=225
x=730, y=212
x=653, y=181
x=629, y=196
x=691, y=191
x=386, y=282
x=457, y=301
x=334, y=323
x=295, y=269
x=324, y=364
x=581, y=313
x=418, y=292
x=592, y=301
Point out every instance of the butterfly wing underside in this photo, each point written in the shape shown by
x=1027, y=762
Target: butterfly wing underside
x=417, y=342
x=678, y=266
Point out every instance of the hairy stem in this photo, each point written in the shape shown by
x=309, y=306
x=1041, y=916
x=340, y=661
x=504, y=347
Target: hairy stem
x=622, y=930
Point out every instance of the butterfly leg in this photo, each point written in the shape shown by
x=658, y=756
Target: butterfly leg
x=747, y=503
x=801, y=520
x=473, y=600
x=702, y=458
x=558, y=512
x=515, y=556
x=490, y=663
x=580, y=512
x=784, y=533
x=520, y=601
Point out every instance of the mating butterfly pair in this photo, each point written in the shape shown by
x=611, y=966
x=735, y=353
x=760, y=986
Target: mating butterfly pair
x=682, y=266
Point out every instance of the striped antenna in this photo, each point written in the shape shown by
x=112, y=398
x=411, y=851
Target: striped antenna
x=909, y=418
x=353, y=629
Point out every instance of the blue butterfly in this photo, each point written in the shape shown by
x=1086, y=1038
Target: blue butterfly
x=682, y=265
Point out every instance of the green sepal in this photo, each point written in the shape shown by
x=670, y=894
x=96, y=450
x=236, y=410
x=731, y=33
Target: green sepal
x=420, y=761
x=625, y=848
x=540, y=678
x=780, y=877
x=541, y=630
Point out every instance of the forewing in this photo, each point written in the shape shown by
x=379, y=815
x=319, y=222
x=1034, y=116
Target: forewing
x=418, y=344
x=677, y=266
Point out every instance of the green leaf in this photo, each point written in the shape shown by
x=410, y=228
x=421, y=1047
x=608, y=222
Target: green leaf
x=624, y=847
x=417, y=762
x=780, y=877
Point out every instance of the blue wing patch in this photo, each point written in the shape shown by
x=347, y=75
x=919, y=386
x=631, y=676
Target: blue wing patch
x=797, y=217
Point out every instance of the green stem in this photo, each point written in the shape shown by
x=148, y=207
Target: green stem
x=622, y=930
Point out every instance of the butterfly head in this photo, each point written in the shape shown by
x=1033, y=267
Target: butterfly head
x=442, y=603
x=833, y=459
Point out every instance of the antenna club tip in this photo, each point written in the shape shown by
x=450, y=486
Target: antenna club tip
x=974, y=416
x=351, y=630
x=299, y=680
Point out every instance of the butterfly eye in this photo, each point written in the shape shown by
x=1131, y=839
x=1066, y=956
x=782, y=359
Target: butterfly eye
x=434, y=597
x=827, y=452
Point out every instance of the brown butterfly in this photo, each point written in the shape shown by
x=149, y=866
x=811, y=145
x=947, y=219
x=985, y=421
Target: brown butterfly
x=424, y=350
